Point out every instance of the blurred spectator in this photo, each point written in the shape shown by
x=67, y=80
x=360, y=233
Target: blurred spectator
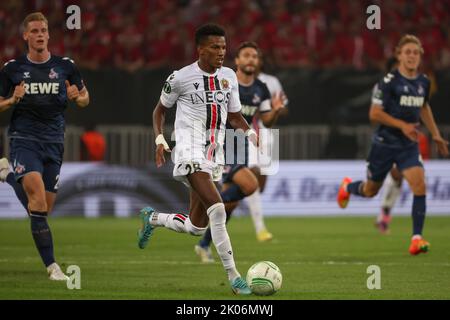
x=93, y=145
x=136, y=34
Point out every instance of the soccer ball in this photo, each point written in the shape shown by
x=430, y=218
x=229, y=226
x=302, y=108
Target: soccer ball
x=264, y=278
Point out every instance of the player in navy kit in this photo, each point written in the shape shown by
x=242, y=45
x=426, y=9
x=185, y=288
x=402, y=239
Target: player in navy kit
x=38, y=86
x=399, y=102
x=238, y=180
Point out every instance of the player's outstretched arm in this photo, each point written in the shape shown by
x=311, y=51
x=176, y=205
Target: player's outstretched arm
x=159, y=117
x=19, y=92
x=237, y=121
x=378, y=115
x=426, y=115
x=269, y=118
x=80, y=97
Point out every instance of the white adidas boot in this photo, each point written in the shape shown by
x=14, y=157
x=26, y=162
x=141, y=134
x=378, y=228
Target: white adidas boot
x=55, y=273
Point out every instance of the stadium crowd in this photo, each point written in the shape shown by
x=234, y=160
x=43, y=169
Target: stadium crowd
x=133, y=35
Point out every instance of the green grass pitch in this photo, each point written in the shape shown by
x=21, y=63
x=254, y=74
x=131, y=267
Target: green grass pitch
x=320, y=258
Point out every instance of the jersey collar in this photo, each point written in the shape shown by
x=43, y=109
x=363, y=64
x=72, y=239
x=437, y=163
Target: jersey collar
x=35, y=62
x=197, y=68
x=408, y=78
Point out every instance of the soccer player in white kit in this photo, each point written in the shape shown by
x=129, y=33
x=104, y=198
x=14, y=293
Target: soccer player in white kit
x=206, y=95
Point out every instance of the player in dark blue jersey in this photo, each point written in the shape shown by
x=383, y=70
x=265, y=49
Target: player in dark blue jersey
x=38, y=86
x=399, y=102
x=238, y=180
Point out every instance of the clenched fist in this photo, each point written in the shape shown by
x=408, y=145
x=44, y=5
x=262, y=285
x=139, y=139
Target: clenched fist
x=19, y=92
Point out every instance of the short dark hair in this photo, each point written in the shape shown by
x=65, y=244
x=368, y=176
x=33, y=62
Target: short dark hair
x=248, y=44
x=206, y=30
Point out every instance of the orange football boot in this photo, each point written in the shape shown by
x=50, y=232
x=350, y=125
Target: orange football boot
x=343, y=195
x=418, y=245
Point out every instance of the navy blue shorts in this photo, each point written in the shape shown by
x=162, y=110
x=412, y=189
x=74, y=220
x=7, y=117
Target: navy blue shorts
x=230, y=170
x=381, y=159
x=34, y=156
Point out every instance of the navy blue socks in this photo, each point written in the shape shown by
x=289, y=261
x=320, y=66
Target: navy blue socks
x=355, y=188
x=42, y=236
x=418, y=214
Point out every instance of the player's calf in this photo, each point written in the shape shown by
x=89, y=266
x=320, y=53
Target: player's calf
x=221, y=240
x=4, y=169
x=35, y=190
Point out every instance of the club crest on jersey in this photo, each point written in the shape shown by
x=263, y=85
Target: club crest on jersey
x=420, y=90
x=53, y=74
x=225, y=84
x=26, y=75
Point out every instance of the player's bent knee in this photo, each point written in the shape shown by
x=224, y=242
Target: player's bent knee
x=37, y=204
x=419, y=188
x=370, y=192
x=195, y=231
x=217, y=214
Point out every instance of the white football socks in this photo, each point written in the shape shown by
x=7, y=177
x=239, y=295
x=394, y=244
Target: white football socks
x=220, y=238
x=255, y=208
x=178, y=222
x=173, y=221
x=391, y=192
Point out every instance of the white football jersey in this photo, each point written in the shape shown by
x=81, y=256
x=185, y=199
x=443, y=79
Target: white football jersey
x=203, y=101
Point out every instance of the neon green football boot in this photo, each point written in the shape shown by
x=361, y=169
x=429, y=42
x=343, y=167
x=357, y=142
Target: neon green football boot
x=240, y=286
x=146, y=230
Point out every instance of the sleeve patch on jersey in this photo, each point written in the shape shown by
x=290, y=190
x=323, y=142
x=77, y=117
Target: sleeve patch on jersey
x=7, y=62
x=378, y=94
x=167, y=88
x=67, y=58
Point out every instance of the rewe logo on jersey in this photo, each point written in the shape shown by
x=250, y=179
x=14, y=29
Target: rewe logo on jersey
x=218, y=97
x=411, y=101
x=42, y=88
